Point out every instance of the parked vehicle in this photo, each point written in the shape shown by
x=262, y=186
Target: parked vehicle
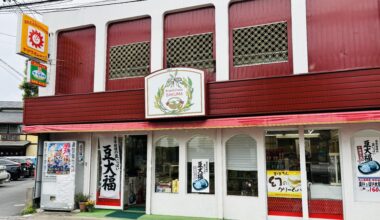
x=26, y=162
x=4, y=175
x=15, y=169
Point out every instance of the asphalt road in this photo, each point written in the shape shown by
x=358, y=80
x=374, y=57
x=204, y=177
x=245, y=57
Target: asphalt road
x=13, y=196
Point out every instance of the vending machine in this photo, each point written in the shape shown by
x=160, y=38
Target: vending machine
x=61, y=162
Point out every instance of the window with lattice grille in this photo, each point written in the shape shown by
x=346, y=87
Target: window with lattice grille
x=194, y=51
x=129, y=60
x=260, y=44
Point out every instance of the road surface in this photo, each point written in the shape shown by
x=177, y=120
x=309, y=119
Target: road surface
x=13, y=195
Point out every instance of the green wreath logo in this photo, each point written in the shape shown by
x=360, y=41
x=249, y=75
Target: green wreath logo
x=175, y=105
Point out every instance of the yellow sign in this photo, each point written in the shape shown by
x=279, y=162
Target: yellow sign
x=284, y=184
x=32, y=38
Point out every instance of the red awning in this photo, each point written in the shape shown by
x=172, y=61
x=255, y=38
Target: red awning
x=256, y=121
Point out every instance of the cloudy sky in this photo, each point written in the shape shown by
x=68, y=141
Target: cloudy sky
x=9, y=83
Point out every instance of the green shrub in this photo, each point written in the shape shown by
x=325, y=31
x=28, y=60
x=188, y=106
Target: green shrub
x=80, y=197
x=29, y=209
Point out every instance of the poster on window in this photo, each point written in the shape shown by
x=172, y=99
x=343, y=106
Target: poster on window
x=200, y=175
x=284, y=184
x=110, y=168
x=58, y=158
x=367, y=164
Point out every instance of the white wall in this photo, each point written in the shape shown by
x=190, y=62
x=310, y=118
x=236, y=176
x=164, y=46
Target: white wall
x=100, y=17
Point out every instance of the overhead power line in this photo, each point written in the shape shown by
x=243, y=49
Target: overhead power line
x=5, y=34
x=27, y=4
x=10, y=67
x=12, y=74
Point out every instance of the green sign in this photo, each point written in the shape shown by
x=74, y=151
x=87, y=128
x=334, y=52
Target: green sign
x=37, y=74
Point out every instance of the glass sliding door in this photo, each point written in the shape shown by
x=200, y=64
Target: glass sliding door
x=323, y=174
x=283, y=173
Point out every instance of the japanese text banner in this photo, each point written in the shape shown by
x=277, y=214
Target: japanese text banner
x=110, y=168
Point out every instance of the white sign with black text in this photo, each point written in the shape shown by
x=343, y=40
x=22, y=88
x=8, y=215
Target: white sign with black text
x=110, y=168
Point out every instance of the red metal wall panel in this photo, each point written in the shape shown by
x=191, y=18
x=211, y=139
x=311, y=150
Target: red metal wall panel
x=75, y=61
x=96, y=107
x=258, y=12
x=343, y=34
x=321, y=92
x=191, y=22
x=127, y=32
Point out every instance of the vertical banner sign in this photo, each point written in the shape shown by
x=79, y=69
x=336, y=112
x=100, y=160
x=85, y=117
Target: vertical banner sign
x=284, y=184
x=37, y=74
x=110, y=168
x=32, y=38
x=200, y=175
x=367, y=160
x=58, y=158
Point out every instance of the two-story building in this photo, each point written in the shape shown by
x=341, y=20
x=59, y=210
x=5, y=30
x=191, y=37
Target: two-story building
x=292, y=106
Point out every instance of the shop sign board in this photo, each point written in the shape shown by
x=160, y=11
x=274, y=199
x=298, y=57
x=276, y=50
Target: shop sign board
x=284, y=184
x=200, y=175
x=59, y=156
x=367, y=165
x=37, y=73
x=175, y=92
x=110, y=168
x=32, y=38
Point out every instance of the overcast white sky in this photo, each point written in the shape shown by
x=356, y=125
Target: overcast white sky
x=9, y=90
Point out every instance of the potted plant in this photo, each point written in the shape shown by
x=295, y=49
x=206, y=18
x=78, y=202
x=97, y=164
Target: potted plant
x=80, y=201
x=90, y=205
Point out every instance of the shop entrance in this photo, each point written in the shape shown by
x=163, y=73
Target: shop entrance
x=135, y=172
x=321, y=168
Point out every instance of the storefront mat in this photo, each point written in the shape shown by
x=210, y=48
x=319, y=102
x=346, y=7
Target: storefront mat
x=130, y=215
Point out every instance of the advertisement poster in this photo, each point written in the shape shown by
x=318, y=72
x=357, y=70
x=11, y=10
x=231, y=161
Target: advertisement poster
x=367, y=164
x=175, y=92
x=200, y=175
x=110, y=168
x=284, y=184
x=37, y=73
x=58, y=158
x=32, y=38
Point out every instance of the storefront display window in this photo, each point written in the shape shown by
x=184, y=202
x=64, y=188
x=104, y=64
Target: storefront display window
x=323, y=173
x=241, y=152
x=283, y=173
x=167, y=162
x=200, y=165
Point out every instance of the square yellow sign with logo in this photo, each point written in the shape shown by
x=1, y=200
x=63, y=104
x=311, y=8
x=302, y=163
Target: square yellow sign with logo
x=32, y=38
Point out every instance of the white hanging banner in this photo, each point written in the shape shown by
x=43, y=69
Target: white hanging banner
x=110, y=168
x=367, y=161
x=200, y=175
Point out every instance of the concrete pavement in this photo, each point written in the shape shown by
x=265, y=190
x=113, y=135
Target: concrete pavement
x=13, y=196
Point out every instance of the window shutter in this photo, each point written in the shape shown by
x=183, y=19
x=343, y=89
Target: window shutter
x=241, y=153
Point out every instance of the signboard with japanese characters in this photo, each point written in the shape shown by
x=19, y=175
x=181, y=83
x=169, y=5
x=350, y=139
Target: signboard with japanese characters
x=110, y=168
x=367, y=166
x=284, y=184
x=200, y=175
x=32, y=38
x=176, y=92
x=37, y=73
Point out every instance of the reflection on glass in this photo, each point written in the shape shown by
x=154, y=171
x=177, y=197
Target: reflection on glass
x=241, y=166
x=323, y=172
x=283, y=173
x=200, y=148
x=167, y=160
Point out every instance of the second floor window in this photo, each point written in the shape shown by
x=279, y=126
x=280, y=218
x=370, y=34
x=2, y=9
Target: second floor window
x=194, y=51
x=260, y=44
x=129, y=60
